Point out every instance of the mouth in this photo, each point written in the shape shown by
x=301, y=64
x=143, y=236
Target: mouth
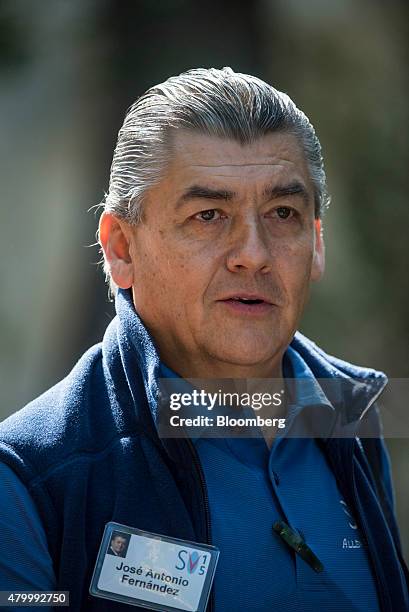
x=248, y=304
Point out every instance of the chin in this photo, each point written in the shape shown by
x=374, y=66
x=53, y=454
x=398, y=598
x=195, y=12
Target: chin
x=246, y=354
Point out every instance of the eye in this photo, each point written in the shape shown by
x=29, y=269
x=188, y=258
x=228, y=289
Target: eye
x=208, y=215
x=284, y=212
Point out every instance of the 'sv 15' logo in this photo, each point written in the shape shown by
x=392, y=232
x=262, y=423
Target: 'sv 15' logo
x=191, y=561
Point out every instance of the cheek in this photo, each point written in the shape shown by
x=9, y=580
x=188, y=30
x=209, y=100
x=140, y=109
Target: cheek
x=295, y=263
x=168, y=279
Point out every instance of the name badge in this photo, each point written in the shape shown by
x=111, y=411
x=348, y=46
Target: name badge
x=153, y=571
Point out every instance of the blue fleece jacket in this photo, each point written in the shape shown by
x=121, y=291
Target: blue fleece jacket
x=88, y=452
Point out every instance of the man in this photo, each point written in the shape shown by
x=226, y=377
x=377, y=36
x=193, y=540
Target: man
x=211, y=234
x=117, y=546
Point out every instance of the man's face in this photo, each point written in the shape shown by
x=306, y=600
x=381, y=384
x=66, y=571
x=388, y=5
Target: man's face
x=118, y=544
x=223, y=259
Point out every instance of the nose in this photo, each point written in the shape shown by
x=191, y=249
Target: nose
x=251, y=250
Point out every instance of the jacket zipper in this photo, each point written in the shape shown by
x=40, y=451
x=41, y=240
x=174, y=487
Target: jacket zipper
x=368, y=536
x=385, y=606
x=205, y=497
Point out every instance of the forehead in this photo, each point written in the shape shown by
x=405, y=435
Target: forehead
x=275, y=157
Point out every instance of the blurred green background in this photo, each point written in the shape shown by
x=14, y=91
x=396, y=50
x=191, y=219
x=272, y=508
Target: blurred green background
x=68, y=71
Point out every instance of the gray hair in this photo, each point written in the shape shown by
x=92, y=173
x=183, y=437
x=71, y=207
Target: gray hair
x=220, y=103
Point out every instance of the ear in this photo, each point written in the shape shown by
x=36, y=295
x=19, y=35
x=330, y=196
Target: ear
x=318, y=262
x=114, y=237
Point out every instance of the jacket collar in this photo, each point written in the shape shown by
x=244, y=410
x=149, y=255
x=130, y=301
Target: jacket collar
x=352, y=389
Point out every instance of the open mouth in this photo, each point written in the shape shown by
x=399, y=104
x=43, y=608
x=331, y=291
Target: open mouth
x=248, y=305
x=247, y=301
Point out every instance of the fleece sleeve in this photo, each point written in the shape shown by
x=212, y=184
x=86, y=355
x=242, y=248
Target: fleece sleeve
x=25, y=563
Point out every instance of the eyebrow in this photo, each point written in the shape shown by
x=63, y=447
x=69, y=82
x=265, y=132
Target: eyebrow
x=198, y=192
x=280, y=191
